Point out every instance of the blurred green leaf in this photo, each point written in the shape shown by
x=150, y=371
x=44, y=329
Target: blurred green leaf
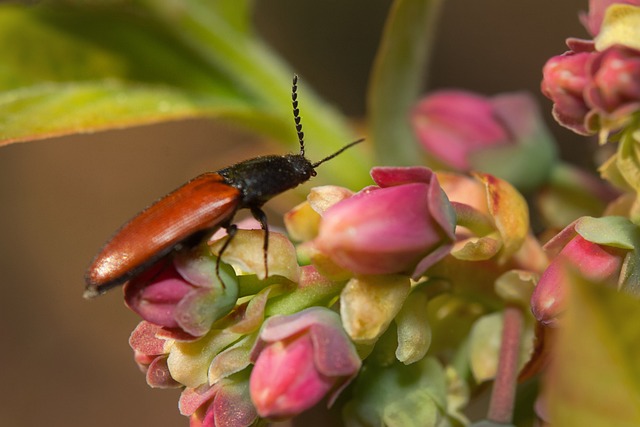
x=628, y=159
x=571, y=193
x=86, y=66
x=62, y=75
x=487, y=423
x=485, y=340
x=594, y=379
x=616, y=231
x=397, y=78
x=258, y=71
x=399, y=395
x=51, y=109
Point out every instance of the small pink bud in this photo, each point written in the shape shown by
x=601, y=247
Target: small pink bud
x=503, y=135
x=564, y=81
x=614, y=85
x=226, y=403
x=405, y=225
x=450, y=124
x=150, y=353
x=298, y=360
x=592, y=261
x=155, y=294
x=183, y=291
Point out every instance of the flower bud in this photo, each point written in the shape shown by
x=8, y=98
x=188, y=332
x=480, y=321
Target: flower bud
x=450, y=124
x=150, y=353
x=298, y=360
x=564, y=78
x=183, y=291
x=613, y=90
x=226, y=403
x=579, y=249
x=404, y=225
x=503, y=135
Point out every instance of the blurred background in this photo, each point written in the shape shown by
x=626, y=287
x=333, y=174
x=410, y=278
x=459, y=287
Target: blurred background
x=65, y=361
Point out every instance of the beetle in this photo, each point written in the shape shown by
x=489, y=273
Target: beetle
x=199, y=207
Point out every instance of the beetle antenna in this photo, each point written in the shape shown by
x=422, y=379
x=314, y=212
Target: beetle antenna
x=296, y=113
x=316, y=164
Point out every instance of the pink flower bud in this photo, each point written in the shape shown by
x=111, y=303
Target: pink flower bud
x=151, y=352
x=226, y=403
x=405, y=225
x=504, y=135
x=450, y=124
x=564, y=81
x=614, y=85
x=155, y=294
x=298, y=360
x=183, y=292
x=593, y=261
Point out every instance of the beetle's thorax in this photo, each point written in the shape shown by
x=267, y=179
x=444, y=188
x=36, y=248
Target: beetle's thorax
x=264, y=177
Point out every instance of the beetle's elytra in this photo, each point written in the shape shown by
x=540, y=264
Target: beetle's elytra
x=200, y=206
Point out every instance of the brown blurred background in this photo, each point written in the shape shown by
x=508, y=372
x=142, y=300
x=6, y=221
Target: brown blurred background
x=65, y=361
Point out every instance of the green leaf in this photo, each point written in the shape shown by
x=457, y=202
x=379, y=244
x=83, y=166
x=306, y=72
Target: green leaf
x=51, y=109
x=79, y=80
x=258, y=71
x=413, y=329
x=610, y=171
x=487, y=423
x=571, y=193
x=189, y=361
x=150, y=61
x=516, y=286
x=399, y=395
x=485, y=339
x=594, y=379
x=616, y=231
x=628, y=159
x=397, y=78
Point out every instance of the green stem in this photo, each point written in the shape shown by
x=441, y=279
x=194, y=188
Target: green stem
x=398, y=74
x=320, y=294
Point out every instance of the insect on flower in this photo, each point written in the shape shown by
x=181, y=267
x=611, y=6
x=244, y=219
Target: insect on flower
x=199, y=207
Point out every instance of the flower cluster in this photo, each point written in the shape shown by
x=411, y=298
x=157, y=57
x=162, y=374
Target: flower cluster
x=595, y=86
x=397, y=300
x=246, y=347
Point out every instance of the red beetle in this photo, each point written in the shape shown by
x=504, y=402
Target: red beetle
x=199, y=207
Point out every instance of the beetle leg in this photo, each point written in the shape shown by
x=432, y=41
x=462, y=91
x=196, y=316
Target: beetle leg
x=231, y=232
x=261, y=217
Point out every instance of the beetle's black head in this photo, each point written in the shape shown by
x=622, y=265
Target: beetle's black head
x=301, y=167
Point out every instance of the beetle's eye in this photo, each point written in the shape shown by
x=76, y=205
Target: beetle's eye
x=313, y=172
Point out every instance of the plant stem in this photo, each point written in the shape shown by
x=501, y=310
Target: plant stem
x=397, y=77
x=504, y=387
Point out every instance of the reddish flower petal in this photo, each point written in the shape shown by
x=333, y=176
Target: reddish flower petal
x=298, y=360
x=144, y=339
x=285, y=381
x=451, y=124
x=155, y=293
x=564, y=80
x=382, y=231
x=593, y=261
x=158, y=375
x=615, y=80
